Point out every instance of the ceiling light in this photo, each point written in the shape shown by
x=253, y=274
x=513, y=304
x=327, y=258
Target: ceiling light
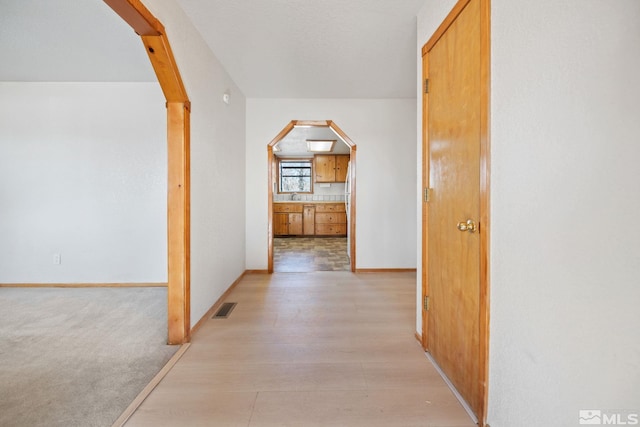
x=320, y=145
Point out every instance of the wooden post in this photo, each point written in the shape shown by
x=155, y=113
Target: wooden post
x=178, y=222
x=157, y=46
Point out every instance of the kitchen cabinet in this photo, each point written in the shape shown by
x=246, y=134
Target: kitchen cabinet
x=309, y=220
x=330, y=168
x=287, y=219
x=295, y=224
x=331, y=207
x=342, y=163
x=287, y=207
x=331, y=220
x=287, y=224
x=280, y=224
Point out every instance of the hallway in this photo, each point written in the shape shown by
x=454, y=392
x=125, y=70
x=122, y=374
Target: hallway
x=315, y=349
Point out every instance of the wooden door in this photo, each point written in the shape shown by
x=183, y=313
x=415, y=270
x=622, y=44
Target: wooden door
x=325, y=168
x=455, y=228
x=309, y=221
x=341, y=168
x=295, y=224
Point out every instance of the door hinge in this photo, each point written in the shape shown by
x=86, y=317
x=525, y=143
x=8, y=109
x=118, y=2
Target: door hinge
x=426, y=303
x=427, y=194
x=426, y=85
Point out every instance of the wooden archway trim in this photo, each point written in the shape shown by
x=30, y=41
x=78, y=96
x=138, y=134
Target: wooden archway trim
x=137, y=16
x=159, y=51
x=352, y=171
x=271, y=171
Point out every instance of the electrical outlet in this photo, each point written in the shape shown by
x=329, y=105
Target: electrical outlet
x=57, y=259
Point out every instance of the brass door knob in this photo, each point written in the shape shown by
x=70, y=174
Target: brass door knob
x=469, y=226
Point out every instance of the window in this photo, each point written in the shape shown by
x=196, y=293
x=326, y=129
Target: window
x=295, y=176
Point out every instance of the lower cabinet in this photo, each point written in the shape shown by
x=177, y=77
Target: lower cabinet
x=331, y=224
x=280, y=224
x=320, y=219
x=287, y=219
x=331, y=219
x=309, y=220
x=295, y=224
x=287, y=224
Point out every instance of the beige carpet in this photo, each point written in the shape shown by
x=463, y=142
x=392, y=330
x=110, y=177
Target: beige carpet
x=78, y=357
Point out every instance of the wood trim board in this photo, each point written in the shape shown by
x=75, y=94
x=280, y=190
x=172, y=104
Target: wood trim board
x=142, y=396
x=158, y=48
x=134, y=13
x=386, y=270
x=84, y=285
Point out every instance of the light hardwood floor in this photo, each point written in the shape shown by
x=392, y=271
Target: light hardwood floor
x=311, y=349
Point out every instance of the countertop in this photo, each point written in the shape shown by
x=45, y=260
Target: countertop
x=309, y=202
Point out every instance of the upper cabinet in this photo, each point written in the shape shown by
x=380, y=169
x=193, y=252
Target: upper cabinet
x=330, y=168
x=324, y=168
x=341, y=168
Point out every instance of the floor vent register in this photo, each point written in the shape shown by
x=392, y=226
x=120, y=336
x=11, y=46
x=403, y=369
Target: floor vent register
x=225, y=310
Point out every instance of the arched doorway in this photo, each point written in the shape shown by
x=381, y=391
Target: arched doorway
x=350, y=196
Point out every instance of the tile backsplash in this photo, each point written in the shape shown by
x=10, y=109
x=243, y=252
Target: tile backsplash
x=309, y=197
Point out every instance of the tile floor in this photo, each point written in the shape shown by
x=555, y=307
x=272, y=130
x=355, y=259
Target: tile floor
x=307, y=254
x=315, y=349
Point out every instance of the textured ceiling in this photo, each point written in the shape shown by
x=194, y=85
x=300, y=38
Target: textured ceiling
x=68, y=40
x=271, y=48
x=294, y=144
x=313, y=48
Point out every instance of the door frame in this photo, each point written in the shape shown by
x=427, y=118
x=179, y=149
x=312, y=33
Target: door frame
x=485, y=103
x=352, y=174
x=156, y=44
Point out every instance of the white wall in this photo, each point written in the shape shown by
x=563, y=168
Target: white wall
x=384, y=132
x=564, y=251
x=82, y=174
x=217, y=161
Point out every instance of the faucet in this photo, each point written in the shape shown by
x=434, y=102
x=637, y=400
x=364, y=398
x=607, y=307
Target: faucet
x=293, y=196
